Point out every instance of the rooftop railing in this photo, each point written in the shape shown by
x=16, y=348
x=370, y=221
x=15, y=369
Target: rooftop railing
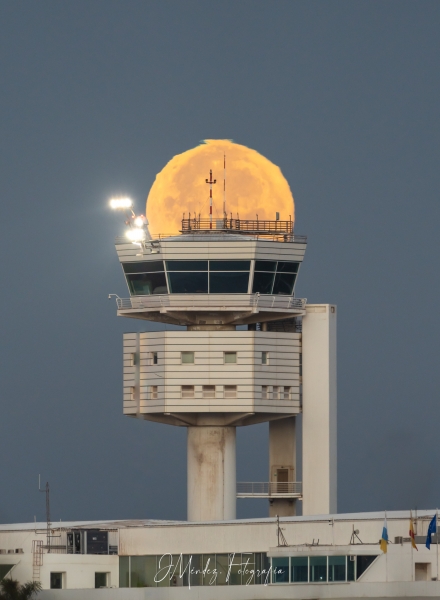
x=267, y=489
x=203, y=302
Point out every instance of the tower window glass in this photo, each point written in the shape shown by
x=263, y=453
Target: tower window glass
x=230, y=391
x=203, y=277
x=187, y=391
x=208, y=391
x=272, y=277
x=187, y=358
x=265, y=358
x=147, y=284
x=264, y=392
x=153, y=392
x=145, y=277
x=154, y=358
x=230, y=357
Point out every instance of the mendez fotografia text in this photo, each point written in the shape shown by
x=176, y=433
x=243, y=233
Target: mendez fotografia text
x=173, y=571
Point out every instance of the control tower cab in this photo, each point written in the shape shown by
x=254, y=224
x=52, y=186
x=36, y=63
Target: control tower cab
x=215, y=376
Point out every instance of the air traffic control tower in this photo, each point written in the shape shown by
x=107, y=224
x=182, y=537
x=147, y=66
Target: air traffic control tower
x=212, y=377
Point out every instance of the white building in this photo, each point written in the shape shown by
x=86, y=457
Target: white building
x=326, y=556
x=212, y=378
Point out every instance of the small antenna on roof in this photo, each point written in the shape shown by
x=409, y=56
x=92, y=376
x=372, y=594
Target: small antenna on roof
x=224, y=186
x=210, y=181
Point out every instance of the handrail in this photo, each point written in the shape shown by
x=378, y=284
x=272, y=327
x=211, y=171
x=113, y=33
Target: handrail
x=273, y=236
x=269, y=488
x=210, y=301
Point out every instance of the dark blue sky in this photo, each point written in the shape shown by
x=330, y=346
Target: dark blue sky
x=96, y=97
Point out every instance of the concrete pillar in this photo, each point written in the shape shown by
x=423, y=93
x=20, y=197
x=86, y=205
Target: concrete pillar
x=211, y=474
x=319, y=409
x=282, y=457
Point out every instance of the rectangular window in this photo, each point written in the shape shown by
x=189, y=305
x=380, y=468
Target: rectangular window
x=187, y=358
x=228, y=283
x=133, y=359
x=154, y=359
x=143, y=267
x=153, y=392
x=56, y=581
x=284, y=283
x=265, y=358
x=264, y=392
x=336, y=568
x=318, y=568
x=230, y=391
x=280, y=570
x=299, y=569
x=101, y=580
x=146, y=284
x=229, y=265
x=132, y=393
x=286, y=393
x=230, y=357
x=208, y=391
x=275, y=392
x=187, y=391
x=188, y=283
x=187, y=265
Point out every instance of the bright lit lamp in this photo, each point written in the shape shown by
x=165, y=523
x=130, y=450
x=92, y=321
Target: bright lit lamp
x=136, y=235
x=121, y=203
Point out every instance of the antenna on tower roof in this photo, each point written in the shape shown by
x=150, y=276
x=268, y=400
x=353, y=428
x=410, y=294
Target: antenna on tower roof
x=224, y=186
x=211, y=181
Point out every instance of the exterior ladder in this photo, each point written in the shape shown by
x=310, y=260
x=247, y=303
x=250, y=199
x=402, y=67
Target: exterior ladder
x=37, y=558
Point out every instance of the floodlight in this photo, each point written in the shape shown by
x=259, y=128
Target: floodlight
x=139, y=221
x=136, y=235
x=118, y=203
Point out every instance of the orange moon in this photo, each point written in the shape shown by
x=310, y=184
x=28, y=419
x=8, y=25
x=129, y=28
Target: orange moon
x=254, y=186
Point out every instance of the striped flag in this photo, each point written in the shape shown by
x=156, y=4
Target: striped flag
x=384, y=538
x=411, y=531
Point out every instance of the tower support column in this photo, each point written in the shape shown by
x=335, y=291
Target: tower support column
x=211, y=473
x=282, y=465
x=319, y=409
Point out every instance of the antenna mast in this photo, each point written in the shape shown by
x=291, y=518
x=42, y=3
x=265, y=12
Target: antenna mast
x=224, y=186
x=48, y=523
x=211, y=182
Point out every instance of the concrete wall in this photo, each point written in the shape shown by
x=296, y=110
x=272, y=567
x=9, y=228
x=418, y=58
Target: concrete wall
x=348, y=591
x=209, y=368
x=221, y=248
x=211, y=473
x=319, y=410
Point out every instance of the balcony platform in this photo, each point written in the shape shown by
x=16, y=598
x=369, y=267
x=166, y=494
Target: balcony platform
x=269, y=489
x=218, y=309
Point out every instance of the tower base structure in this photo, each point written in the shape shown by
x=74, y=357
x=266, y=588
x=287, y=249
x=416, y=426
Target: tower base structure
x=211, y=474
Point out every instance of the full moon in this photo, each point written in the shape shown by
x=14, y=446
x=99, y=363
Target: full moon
x=254, y=186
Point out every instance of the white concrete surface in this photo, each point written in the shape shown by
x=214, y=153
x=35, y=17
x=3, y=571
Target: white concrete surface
x=211, y=473
x=319, y=429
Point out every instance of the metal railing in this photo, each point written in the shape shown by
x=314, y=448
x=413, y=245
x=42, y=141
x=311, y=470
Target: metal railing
x=238, y=226
x=269, y=488
x=272, y=235
x=219, y=302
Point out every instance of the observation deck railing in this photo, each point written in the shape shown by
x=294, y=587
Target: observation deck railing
x=250, y=226
x=203, y=302
x=269, y=489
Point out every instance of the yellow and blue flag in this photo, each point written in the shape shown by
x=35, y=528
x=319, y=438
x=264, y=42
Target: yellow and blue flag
x=431, y=529
x=384, y=538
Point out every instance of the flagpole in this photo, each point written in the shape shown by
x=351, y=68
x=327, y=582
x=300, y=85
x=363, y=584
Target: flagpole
x=386, y=554
x=412, y=549
x=436, y=537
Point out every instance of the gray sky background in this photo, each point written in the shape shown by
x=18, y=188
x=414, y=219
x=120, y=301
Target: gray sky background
x=96, y=96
